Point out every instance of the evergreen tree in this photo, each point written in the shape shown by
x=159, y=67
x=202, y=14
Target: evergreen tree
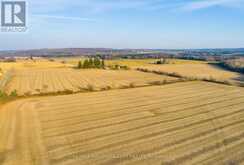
x=97, y=63
x=79, y=65
x=90, y=63
x=103, y=64
x=86, y=64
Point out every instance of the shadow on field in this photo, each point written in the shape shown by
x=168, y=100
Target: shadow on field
x=240, y=77
x=218, y=66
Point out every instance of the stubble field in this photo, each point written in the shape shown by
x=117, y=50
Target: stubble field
x=182, y=123
x=198, y=70
x=54, y=80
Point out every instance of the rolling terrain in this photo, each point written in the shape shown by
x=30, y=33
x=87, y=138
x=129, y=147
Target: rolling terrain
x=182, y=123
x=197, y=70
x=54, y=80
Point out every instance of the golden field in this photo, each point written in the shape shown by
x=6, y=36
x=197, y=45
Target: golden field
x=184, y=68
x=182, y=123
x=119, y=117
x=53, y=80
x=198, y=70
x=134, y=63
x=30, y=64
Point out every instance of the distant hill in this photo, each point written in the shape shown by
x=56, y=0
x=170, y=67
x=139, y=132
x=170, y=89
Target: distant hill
x=75, y=52
x=55, y=52
x=114, y=52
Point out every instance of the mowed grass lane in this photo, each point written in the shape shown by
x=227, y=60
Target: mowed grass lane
x=181, y=123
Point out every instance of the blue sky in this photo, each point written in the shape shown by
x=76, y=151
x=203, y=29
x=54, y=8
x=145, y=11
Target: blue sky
x=167, y=24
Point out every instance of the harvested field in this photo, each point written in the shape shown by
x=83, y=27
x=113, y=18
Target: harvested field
x=182, y=123
x=134, y=63
x=28, y=64
x=36, y=81
x=196, y=71
x=5, y=79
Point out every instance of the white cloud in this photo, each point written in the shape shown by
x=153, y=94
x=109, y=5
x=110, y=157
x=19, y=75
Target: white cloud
x=89, y=6
x=63, y=17
x=93, y=7
x=201, y=4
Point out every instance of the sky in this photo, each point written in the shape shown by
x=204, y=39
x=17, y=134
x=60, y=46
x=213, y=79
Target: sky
x=155, y=24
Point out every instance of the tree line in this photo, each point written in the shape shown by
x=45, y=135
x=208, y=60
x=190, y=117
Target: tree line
x=91, y=63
